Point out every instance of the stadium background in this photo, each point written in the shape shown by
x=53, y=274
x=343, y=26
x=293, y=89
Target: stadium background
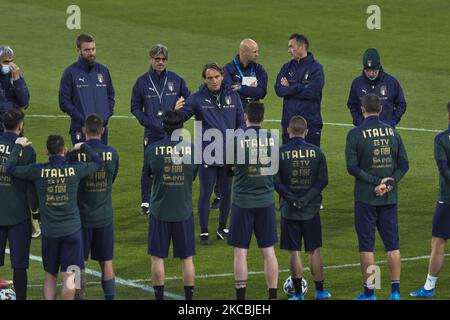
x=413, y=46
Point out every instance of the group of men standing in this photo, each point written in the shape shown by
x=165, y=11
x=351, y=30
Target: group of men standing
x=229, y=98
x=73, y=190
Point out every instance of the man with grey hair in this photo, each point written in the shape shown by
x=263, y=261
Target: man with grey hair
x=156, y=91
x=13, y=89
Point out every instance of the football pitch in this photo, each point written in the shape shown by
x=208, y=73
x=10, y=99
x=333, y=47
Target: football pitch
x=413, y=45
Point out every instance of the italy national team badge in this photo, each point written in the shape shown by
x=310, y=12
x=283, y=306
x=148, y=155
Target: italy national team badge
x=306, y=75
x=145, y=141
x=100, y=77
x=369, y=63
x=170, y=86
x=228, y=100
x=383, y=91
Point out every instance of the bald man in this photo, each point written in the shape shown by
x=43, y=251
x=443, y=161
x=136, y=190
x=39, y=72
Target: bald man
x=248, y=79
x=244, y=75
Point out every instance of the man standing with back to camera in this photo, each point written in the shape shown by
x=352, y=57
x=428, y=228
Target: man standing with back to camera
x=377, y=158
x=95, y=206
x=15, y=196
x=300, y=181
x=57, y=184
x=171, y=215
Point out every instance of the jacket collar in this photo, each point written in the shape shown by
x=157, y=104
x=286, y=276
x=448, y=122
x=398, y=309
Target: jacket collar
x=306, y=60
x=155, y=75
x=83, y=64
x=57, y=160
x=94, y=142
x=371, y=120
x=11, y=136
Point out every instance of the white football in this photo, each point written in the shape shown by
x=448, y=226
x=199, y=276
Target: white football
x=7, y=294
x=289, y=289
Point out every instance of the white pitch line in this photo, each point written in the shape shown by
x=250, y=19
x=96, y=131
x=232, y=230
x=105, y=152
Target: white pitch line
x=60, y=285
x=133, y=283
x=118, y=280
x=340, y=266
x=337, y=124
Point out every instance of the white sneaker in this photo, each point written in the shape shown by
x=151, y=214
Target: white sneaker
x=145, y=208
x=36, y=234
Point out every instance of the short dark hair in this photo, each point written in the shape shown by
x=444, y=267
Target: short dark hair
x=255, y=111
x=12, y=119
x=300, y=39
x=172, y=120
x=298, y=125
x=93, y=124
x=84, y=37
x=55, y=144
x=371, y=102
x=213, y=66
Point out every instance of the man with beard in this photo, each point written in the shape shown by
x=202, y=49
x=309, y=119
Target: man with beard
x=86, y=88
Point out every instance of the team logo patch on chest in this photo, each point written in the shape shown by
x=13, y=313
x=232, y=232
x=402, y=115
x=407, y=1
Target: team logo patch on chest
x=306, y=76
x=170, y=86
x=100, y=77
x=383, y=90
x=228, y=100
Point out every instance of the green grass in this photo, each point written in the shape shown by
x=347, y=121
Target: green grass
x=413, y=46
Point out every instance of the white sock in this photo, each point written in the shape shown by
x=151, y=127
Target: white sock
x=430, y=283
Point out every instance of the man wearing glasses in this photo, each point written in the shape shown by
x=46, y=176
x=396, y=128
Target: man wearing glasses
x=374, y=80
x=156, y=91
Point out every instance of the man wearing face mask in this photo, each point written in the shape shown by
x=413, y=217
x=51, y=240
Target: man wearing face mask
x=13, y=89
x=155, y=92
x=86, y=88
x=386, y=87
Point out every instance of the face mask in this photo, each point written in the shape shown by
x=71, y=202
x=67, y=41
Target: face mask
x=5, y=68
x=371, y=78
